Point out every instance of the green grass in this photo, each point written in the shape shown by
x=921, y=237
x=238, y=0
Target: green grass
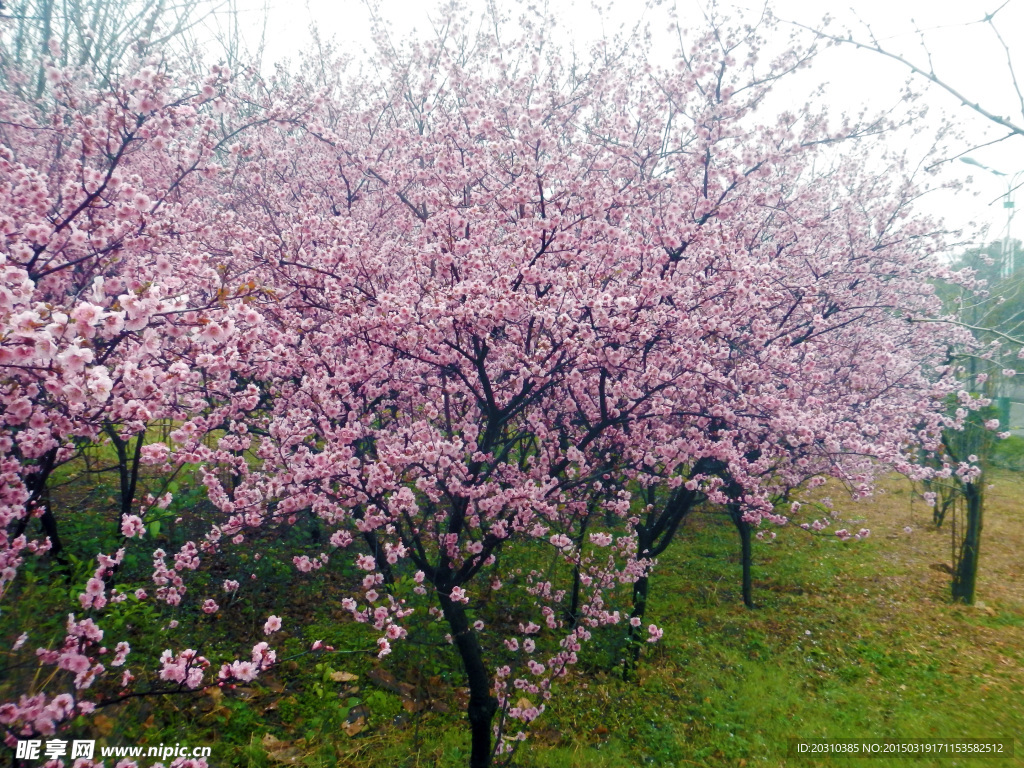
x=849, y=640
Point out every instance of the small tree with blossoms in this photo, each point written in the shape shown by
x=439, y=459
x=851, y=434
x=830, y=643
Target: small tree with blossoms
x=959, y=482
x=119, y=306
x=422, y=374
x=987, y=305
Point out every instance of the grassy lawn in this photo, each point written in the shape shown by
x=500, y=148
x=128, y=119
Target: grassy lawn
x=850, y=640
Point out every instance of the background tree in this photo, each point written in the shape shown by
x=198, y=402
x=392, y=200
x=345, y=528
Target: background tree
x=990, y=305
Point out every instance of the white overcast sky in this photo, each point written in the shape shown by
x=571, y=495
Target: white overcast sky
x=966, y=55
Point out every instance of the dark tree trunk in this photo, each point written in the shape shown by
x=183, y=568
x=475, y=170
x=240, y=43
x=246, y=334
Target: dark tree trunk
x=572, y=613
x=653, y=537
x=49, y=523
x=746, y=555
x=966, y=575
x=36, y=484
x=640, y=590
x=127, y=467
x=482, y=704
x=376, y=551
x=128, y=463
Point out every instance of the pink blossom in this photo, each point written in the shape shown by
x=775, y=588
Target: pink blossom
x=131, y=526
x=263, y=656
x=244, y=671
x=186, y=668
x=121, y=653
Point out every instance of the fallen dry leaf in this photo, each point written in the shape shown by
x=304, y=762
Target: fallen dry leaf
x=413, y=705
x=358, y=712
x=356, y=726
x=273, y=685
x=388, y=682
x=283, y=751
x=212, y=701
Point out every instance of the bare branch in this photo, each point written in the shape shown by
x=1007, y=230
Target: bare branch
x=875, y=46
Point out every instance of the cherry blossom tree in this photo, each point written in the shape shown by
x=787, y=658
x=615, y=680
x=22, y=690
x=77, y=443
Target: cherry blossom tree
x=504, y=301
x=114, y=309
x=479, y=321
